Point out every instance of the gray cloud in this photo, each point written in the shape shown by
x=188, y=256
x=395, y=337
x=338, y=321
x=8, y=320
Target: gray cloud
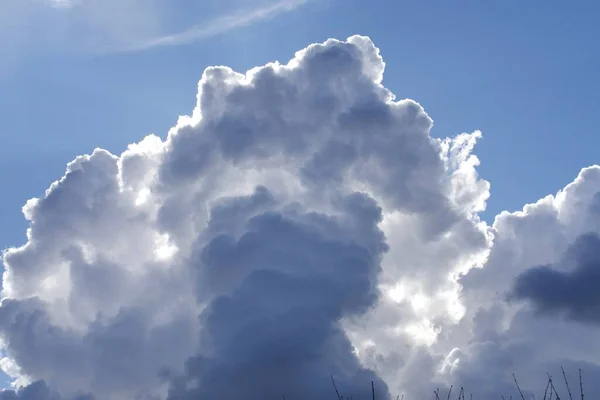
x=291, y=278
x=572, y=293
x=37, y=391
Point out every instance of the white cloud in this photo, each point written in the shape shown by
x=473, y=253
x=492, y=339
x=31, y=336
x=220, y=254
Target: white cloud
x=514, y=336
x=500, y=334
x=300, y=223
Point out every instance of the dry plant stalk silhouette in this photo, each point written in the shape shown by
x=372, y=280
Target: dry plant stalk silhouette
x=550, y=392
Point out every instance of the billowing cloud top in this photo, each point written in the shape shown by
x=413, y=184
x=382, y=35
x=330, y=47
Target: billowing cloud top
x=300, y=224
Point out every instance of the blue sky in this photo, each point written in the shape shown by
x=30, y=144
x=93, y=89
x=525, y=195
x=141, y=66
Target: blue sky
x=523, y=72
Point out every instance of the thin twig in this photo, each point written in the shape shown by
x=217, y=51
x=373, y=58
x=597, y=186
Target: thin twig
x=553, y=388
x=518, y=388
x=566, y=383
x=373, y=390
x=546, y=391
x=580, y=384
x=336, y=389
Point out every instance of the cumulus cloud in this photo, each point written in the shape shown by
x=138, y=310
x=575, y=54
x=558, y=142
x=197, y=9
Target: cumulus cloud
x=300, y=223
x=511, y=336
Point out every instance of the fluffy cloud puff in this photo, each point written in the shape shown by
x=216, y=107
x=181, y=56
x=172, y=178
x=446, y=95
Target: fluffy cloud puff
x=528, y=319
x=300, y=223
x=526, y=304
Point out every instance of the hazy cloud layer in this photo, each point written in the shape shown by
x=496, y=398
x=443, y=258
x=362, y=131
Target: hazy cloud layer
x=126, y=25
x=300, y=223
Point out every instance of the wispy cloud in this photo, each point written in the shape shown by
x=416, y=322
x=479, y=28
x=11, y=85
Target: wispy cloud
x=216, y=26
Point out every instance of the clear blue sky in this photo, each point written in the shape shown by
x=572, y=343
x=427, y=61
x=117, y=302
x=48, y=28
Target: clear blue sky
x=524, y=72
